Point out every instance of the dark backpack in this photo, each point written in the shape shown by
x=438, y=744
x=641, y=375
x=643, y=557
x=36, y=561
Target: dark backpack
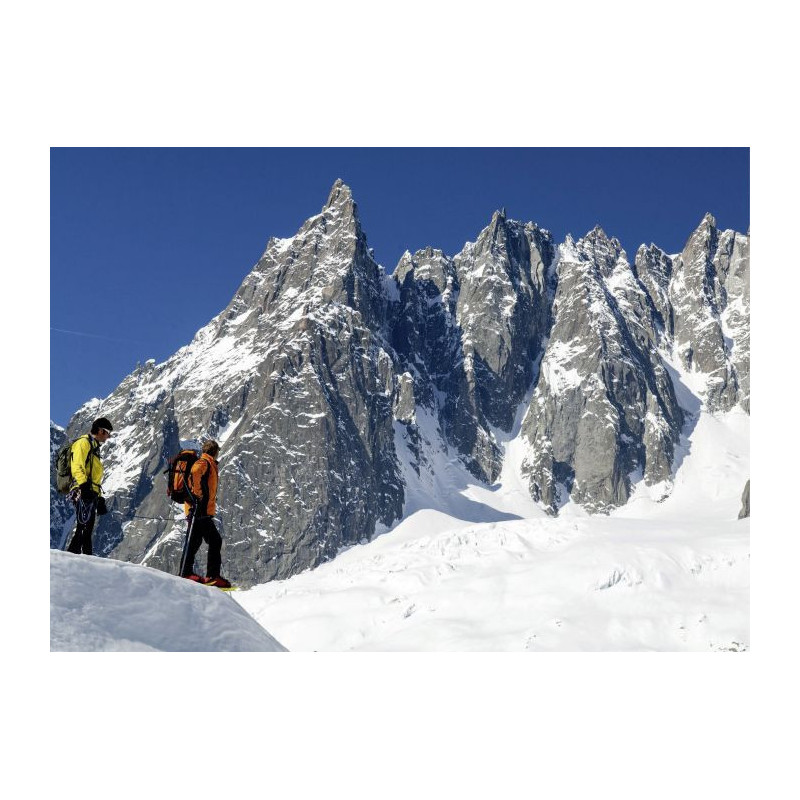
x=63, y=466
x=177, y=473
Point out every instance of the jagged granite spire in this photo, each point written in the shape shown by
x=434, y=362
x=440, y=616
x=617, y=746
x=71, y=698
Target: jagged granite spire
x=295, y=381
x=472, y=325
x=604, y=406
x=710, y=301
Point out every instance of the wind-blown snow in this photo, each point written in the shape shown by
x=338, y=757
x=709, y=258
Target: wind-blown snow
x=102, y=604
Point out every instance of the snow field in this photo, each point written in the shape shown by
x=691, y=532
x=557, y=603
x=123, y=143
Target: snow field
x=486, y=572
x=522, y=585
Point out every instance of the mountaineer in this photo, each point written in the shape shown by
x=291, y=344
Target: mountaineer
x=85, y=490
x=200, y=511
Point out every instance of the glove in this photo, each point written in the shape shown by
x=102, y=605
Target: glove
x=101, y=505
x=87, y=494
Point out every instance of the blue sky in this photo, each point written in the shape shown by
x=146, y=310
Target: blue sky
x=147, y=245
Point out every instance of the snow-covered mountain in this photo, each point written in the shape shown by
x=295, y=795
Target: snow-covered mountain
x=604, y=407
x=340, y=393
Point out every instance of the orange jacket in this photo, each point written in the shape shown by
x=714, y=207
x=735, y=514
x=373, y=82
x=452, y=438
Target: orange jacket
x=202, y=483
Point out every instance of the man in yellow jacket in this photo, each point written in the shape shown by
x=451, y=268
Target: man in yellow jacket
x=87, y=477
x=202, y=485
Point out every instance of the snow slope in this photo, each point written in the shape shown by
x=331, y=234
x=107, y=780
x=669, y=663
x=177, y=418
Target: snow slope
x=102, y=604
x=482, y=572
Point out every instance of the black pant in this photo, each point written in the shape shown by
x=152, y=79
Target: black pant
x=204, y=530
x=82, y=539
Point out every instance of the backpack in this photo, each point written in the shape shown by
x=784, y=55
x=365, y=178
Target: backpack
x=177, y=472
x=63, y=466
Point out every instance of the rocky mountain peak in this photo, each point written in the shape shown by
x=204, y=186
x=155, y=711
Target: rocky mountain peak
x=322, y=375
x=340, y=194
x=604, y=406
x=701, y=243
x=492, y=238
x=327, y=263
x=337, y=224
x=709, y=302
x=342, y=210
x=601, y=250
x=596, y=233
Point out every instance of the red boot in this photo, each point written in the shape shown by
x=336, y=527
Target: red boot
x=218, y=581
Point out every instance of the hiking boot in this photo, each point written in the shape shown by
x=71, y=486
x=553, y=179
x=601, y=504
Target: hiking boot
x=218, y=581
x=193, y=577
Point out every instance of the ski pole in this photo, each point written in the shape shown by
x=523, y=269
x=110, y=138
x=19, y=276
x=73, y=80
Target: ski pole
x=189, y=528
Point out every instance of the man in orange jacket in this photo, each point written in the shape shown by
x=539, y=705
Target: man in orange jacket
x=202, y=485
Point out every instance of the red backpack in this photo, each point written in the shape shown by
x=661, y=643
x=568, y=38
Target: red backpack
x=177, y=473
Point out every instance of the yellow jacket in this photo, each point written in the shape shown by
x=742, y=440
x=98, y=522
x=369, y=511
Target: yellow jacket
x=85, y=462
x=202, y=483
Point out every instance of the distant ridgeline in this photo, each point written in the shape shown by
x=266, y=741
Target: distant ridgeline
x=314, y=378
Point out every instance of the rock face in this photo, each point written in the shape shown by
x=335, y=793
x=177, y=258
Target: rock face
x=604, y=406
x=745, y=511
x=710, y=305
x=321, y=359
x=294, y=381
x=472, y=328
